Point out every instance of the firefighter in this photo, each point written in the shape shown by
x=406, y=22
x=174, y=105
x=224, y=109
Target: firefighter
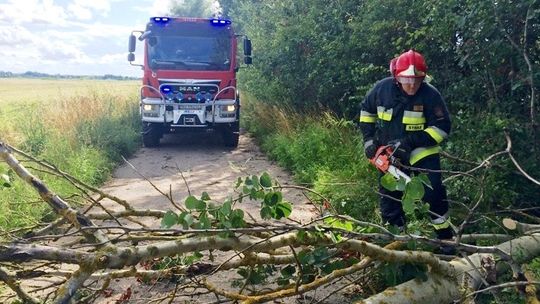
x=404, y=109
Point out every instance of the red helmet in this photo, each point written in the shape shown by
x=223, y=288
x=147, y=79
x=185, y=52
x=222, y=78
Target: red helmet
x=410, y=64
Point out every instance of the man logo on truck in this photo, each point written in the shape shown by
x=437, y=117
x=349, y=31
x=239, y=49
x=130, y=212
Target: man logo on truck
x=189, y=81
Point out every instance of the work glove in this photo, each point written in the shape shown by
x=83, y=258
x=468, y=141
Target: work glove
x=370, y=148
x=403, y=150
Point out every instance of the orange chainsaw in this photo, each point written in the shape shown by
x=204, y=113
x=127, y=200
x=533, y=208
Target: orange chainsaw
x=385, y=161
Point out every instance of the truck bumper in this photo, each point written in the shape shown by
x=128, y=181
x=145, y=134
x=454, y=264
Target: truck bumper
x=189, y=115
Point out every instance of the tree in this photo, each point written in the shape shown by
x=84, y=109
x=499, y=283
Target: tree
x=307, y=256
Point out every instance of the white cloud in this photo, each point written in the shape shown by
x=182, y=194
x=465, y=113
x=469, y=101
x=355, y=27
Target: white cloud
x=84, y=10
x=31, y=11
x=15, y=35
x=62, y=52
x=72, y=38
x=80, y=12
x=157, y=8
x=112, y=58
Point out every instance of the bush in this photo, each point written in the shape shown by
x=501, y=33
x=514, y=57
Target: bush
x=321, y=151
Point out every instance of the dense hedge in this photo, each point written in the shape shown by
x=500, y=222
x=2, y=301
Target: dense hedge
x=482, y=55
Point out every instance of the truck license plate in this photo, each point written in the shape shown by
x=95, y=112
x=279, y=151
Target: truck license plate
x=189, y=120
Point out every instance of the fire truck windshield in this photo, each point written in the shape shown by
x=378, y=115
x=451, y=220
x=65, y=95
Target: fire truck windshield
x=173, y=51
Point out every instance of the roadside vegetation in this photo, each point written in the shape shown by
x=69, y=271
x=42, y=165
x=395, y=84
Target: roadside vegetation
x=82, y=127
x=322, y=58
x=315, y=61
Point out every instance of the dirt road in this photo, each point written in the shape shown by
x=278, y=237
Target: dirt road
x=186, y=164
x=206, y=165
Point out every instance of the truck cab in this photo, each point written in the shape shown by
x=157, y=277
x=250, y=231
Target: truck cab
x=189, y=77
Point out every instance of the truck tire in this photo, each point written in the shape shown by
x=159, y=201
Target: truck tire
x=151, y=135
x=231, y=135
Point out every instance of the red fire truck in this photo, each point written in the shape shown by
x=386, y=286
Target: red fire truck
x=189, y=80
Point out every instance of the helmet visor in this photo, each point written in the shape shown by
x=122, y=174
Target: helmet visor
x=409, y=80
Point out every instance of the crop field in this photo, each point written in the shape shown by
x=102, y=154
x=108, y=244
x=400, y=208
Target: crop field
x=81, y=126
x=24, y=99
x=14, y=90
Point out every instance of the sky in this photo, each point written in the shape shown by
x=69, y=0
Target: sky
x=75, y=37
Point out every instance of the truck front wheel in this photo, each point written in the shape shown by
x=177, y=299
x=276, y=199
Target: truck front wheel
x=151, y=134
x=230, y=135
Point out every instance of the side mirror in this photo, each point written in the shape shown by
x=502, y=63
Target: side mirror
x=131, y=57
x=132, y=42
x=247, y=47
x=248, y=60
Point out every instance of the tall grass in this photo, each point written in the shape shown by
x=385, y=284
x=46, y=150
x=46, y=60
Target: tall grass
x=321, y=150
x=84, y=134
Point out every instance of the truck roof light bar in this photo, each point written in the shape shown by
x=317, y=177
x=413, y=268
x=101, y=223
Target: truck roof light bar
x=161, y=20
x=220, y=22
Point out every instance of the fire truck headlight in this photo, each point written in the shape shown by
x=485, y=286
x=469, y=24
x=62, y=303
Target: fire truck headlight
x=150, y=108
x=228, y=108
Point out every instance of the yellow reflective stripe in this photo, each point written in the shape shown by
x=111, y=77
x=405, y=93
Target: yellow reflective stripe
x=419, y=153
x=413, y=118
x=384, y=114
x=367, y=117
x=437, y=134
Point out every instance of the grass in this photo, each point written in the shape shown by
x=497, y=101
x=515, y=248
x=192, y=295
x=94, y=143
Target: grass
x=321, y=150
x=81, y=126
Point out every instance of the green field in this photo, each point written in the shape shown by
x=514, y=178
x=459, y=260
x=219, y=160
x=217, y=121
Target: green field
x=81, y=126
x=13, y=90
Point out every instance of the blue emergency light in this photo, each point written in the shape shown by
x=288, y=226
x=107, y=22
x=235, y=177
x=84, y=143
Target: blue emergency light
x=166, y=89
x=161, y=20
x=220, y=22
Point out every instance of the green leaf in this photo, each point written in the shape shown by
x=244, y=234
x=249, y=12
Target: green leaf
x=283, y=209
x=408, y=203
x=255, y=181
x=401, y=184
x=415, y=189
x=272, y=198
x=205, y=196
x=238, y=183
x=282, y=282
x=204, y=222
x=192, y=203
x=338, y=223
x=265, y=180
x=266, y=213
x=389, y=182
x=288, y=272
x=425, y=180
x=394, y=229
x=254, y=194
x=237, y=213
x=169, y=219
x=226, y=208
x=188, y=219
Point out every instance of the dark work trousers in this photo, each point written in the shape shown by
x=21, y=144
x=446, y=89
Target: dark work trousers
x=392, y=211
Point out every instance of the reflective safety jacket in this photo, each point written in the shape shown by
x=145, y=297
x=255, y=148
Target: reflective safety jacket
x=387, y=113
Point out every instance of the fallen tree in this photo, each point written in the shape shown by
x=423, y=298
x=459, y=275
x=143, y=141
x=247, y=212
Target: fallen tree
x=105, y=245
